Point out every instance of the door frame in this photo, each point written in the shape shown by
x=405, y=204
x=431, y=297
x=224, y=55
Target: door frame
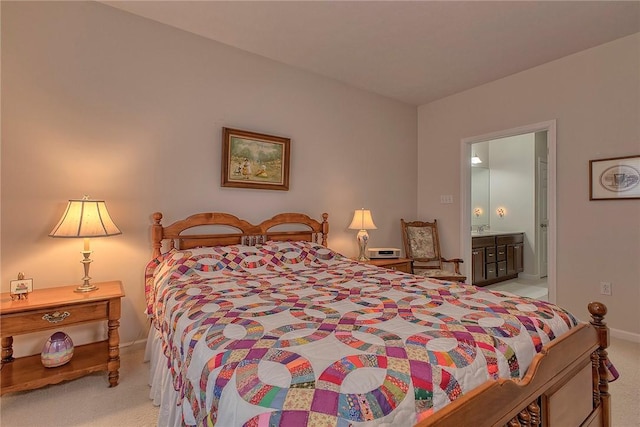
x=540, y=259
x=465, y=190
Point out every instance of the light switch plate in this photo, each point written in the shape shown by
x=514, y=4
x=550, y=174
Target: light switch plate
x=446, y=199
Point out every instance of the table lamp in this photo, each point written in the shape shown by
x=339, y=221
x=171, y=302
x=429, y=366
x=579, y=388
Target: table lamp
x=362, y=221
x=85, y=218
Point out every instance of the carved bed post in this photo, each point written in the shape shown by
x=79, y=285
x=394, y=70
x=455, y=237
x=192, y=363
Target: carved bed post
x=601, y=389
x=534, y=412
x=325, y=228
x=156, y=234
x=528, y=417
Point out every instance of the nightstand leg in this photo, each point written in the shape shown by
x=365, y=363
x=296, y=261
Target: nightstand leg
x=7, y=349
x=113, y=365
x=114, y=353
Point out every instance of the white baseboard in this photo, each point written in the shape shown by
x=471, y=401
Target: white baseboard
x=624, y=335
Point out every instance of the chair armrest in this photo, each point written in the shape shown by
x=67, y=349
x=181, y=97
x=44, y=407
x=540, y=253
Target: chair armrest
x=456, y=263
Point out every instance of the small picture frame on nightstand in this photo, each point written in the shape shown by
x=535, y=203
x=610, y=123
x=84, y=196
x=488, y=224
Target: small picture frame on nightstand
x=20, y=288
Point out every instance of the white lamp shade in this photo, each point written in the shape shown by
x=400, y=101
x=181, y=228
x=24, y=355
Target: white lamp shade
x=362, y=220
x=85, y=218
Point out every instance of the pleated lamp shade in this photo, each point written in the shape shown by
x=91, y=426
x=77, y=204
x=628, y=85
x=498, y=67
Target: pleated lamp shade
x=362, y=220
x=85, y=218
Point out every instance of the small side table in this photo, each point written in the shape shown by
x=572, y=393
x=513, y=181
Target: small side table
x=55, y=308
x=398, y=264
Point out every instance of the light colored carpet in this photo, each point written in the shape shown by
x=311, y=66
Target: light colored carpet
x=88, y=402
x=625, y=391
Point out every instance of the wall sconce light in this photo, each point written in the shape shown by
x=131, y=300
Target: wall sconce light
x=477, y=212
x=501, y=212
x=475, y=160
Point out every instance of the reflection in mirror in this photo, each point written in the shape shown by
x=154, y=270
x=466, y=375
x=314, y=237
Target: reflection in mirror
x=479, y=197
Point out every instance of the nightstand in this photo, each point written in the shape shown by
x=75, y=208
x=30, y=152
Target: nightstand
x=55, y=308
x=398, y=264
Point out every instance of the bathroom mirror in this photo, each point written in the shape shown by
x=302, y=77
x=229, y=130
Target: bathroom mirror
x=479, y=196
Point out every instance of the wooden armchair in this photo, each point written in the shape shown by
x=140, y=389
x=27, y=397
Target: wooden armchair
x=422, y=247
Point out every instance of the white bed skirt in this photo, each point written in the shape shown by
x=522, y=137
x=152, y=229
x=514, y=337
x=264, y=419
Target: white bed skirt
x=162, y=393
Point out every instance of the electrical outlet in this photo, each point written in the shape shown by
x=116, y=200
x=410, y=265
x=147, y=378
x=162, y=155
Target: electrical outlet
x=605, y=288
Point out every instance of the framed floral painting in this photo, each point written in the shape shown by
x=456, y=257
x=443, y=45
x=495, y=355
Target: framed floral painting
x=255, y=160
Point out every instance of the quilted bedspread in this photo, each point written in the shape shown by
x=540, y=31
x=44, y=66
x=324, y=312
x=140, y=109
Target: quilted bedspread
x=294, y=334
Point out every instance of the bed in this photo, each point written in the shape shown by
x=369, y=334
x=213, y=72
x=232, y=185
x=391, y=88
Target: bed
x=264, y=325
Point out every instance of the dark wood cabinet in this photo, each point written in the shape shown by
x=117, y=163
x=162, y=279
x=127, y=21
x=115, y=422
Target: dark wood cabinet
x=497, y=258
x=478, y=262
x=514, y=258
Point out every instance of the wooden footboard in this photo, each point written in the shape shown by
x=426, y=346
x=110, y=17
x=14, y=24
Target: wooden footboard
x=565, y=386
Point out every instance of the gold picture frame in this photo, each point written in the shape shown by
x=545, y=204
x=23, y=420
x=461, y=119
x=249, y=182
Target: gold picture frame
x=255, y=160
x=614, y=178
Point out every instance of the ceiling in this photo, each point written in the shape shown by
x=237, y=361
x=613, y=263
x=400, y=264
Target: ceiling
x=412, y=51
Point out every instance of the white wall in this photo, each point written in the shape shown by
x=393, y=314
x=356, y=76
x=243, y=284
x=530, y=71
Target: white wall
x=594, y=95
x=101, y=102
x=513, y=189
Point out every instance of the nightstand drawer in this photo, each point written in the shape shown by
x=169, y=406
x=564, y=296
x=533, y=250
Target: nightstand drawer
x=405, y=267
x=37, y=320
x=397, y=264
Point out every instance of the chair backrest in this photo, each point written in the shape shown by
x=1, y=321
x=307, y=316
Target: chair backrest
x=421, y=242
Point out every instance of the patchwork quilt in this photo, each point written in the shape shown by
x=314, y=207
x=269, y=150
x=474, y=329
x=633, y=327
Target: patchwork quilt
x=294, y=334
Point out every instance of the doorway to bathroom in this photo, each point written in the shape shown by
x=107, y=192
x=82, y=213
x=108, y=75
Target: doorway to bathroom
x=517, y=167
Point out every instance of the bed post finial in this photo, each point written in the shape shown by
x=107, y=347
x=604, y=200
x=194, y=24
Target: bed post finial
x=598, y=310
x=156, y=233
x=157, y=217
x=325, y=228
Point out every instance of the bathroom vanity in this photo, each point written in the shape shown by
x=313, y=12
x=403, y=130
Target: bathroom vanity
x=496, y=256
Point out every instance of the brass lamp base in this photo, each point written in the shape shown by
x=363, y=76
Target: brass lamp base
x=86, y=262
x=86, y=287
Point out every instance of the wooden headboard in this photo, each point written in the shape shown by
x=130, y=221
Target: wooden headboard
x=299, y=227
